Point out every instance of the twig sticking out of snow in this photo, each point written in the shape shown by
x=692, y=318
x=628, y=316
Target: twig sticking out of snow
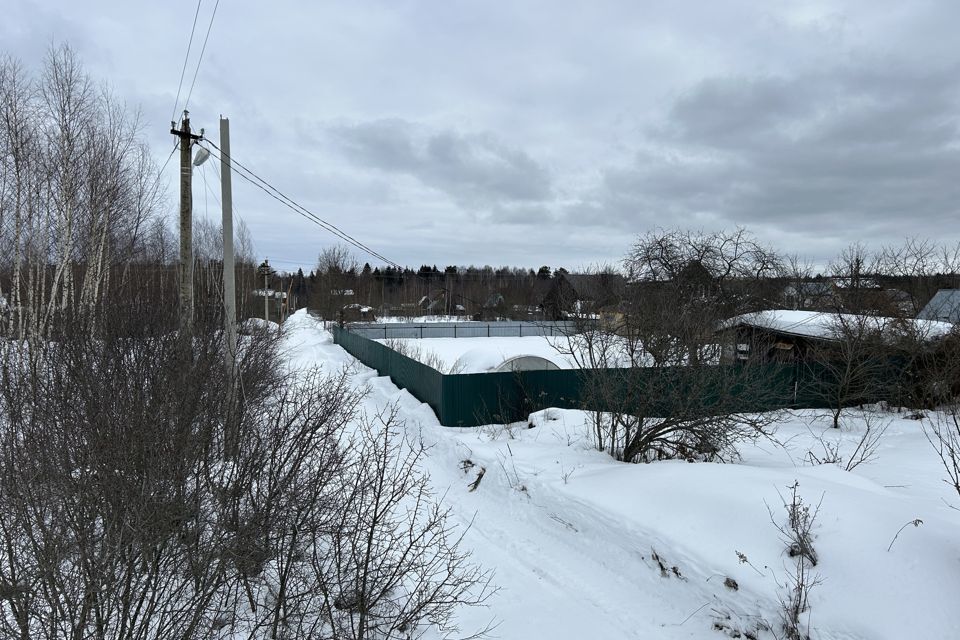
x=916, y=523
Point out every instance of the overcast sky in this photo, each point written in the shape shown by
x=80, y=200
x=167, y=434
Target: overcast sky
x=545, y=132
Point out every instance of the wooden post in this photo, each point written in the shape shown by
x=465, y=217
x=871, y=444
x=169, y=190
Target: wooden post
x=186, y=222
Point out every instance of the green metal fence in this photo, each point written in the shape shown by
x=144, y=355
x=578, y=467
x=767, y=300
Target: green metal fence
x=425, y=383
x=483, y=398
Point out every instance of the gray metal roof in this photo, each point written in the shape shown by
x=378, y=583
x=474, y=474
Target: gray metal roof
x=944, y=306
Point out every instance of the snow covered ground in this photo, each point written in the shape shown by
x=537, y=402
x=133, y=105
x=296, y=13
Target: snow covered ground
x=586, y=547
x=415, y=319
x=479, y=355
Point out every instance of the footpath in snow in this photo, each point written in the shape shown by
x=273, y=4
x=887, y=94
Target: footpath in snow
x=586, y=547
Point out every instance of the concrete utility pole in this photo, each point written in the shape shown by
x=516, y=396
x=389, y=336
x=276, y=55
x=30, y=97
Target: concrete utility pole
x=230, y=436
x=229, y=284
x=186, y=221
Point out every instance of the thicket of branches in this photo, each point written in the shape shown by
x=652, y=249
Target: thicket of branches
x=123, y=515
x=82, y=205
x=649, y=364
x=650, y=371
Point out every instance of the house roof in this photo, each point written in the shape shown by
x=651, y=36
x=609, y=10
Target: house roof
x=828, y=326
x=945, y=306
x=494, y=300
x=809, y=289
x=270, y=293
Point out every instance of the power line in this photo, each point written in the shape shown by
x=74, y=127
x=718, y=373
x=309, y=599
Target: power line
x=200, y=59
x=185, y=59
x=254, y=179
x=156, y=181
x=173, y=151
x=242, y=171
x=236, y=210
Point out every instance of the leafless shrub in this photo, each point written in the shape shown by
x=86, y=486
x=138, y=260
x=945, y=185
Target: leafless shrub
x=122, y=516
x=942, y=426
x=394, y=559
x=865, y=449
x=105, y=441
x=942, y=430
x=651, y=367
x=424, y=355
x=797, y=535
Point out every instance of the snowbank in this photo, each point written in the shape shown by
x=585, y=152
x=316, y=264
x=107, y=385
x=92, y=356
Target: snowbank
x=585, y=547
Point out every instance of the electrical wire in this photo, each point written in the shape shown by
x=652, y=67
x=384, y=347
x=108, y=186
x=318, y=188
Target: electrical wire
x=183, y=71
x=200, y=59
x=236, y=211
x=254, y=179
x=251, y=177
x=176, y=146
x=303, y=211
x=477, y=277
x=156, y=181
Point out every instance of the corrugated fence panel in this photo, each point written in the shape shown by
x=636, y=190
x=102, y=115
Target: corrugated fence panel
x=512, y=329
x=469, y=400
x=425, y=383
x=473, y=399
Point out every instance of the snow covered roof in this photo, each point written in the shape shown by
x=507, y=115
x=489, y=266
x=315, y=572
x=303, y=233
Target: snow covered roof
x=945, y=305
x=815, y=324
x=270, y=293
x=361, y=307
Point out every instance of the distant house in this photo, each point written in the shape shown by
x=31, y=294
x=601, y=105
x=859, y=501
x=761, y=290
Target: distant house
x=270, y=293
x=358, y=313
x=781, y=335
x=944, y=306
x=493, y=308
x=863, y=295
x=580, y=294
x=810, y=295
x=436, y=304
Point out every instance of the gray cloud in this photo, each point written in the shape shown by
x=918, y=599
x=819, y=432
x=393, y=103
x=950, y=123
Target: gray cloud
x=476, y=170
x=530, y=133
x=845, y=153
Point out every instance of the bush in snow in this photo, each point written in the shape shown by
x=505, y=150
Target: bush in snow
x=649, y=368
x=797, y=534
x=123, y=516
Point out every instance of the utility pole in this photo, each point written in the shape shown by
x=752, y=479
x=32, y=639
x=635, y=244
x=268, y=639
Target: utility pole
x=264, y=270
x=186, y=221
x=229, y=285
x=230, y=436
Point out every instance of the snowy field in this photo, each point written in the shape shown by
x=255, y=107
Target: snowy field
x=479, y=355
x=586, y=547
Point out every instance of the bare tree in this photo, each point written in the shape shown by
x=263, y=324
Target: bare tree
x=853, y=364
x=337, y=280
x=912, y=266
x=797, y=272
x=854, y=272
x=77, y=188
x=652, y=373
